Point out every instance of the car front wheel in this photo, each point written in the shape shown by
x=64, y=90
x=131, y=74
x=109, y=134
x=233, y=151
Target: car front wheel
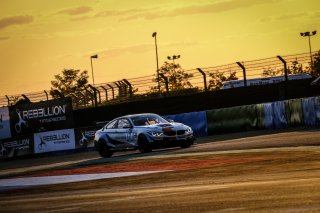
x=186, y=144
x=144, y=145
x=103, y=150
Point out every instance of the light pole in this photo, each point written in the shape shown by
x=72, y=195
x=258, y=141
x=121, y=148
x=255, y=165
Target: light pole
x=309, y=34
x=154, y=35
x=173, y=58
x=91, y=57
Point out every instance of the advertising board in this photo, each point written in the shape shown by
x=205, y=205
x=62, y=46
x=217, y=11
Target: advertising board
x=41, y=116
x=19, y=146
x=54, y=141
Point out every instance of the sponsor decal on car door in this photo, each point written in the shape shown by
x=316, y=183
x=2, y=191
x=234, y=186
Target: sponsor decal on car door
x=124, y=133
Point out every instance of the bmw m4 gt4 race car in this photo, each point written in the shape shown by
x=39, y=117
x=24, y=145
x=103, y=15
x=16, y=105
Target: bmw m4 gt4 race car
x=141, y=131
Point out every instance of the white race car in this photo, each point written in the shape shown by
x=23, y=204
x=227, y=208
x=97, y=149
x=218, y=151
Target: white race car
x=141, y=131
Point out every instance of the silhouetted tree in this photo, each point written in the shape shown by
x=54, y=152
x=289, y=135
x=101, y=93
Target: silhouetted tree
x=296, y=68
x=218, y=78
x=69, y=82
x=178, y=79
x=315, y=67
x=267, y=72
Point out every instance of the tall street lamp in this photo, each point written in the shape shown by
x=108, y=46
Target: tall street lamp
x=91, y=57
x=309, y=34
x=154, y=35
x=174, y=57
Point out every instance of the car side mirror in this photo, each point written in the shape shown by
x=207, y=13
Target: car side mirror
x=170, y=120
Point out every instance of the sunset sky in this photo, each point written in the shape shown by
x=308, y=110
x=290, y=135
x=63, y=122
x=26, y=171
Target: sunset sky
x=40, y=38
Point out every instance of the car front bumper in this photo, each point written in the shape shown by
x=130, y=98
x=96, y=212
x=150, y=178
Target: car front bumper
x=172, y=141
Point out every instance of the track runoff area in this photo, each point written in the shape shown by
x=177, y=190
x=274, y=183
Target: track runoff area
x=263, y=171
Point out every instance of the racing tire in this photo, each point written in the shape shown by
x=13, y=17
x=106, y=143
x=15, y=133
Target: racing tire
x=103, y=150
x=143, y=143
x=186, y=144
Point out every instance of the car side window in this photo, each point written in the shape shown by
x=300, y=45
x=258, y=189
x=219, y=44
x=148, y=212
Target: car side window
x=123, y=123
x=112, y=125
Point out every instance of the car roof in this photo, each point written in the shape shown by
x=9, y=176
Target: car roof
x=140, y=114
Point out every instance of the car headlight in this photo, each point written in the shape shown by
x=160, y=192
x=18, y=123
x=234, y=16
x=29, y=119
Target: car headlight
x=189, y=130
x=156, y=134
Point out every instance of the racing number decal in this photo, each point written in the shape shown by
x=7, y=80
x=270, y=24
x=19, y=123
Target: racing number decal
x=129, y=136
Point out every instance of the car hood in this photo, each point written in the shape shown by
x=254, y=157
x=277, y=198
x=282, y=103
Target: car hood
x=160, y=126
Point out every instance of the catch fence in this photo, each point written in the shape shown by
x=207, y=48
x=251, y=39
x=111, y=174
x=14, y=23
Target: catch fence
x=147, y=86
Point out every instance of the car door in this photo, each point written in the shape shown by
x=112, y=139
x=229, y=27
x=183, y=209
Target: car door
x=124, y=133
x=111, y=133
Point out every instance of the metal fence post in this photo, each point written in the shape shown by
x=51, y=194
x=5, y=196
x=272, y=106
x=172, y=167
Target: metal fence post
x=25, y=97
x=46, y=94
x=112, y=89
x=8, y=100
x=91, y=95
x=204, y=78
x=106, y=91
x=130, y=87
x=285, y=67
x=95, y=95
x=119, y=88
x=244, y=73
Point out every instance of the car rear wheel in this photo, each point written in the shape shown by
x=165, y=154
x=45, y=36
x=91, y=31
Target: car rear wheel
x=103, y=150
x=144, y=145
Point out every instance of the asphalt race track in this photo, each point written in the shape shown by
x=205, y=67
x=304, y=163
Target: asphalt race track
x=263, y=171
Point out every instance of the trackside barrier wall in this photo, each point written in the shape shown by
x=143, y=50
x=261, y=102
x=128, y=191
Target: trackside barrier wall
x=276, y=115
x=196, y=120
x=241, y=118
x=311, y=111
x=267, y=115
x=279, y=115
x=273, y=115
x=294, y=112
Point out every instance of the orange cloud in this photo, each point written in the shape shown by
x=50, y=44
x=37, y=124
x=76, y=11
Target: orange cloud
x=15, y=20
x=75, y=11
x=4, y=38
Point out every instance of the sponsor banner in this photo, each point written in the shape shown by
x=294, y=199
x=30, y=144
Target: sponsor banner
x=85, y=136
x=4, y=123
x=16, y=146
x=279, y=115
x=309, y=111
x=232, y=119
x=41, y=116
x=294, y=112
x=54, y=141
x=268, y=115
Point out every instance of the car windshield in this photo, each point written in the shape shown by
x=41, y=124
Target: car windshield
x=144, y=120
